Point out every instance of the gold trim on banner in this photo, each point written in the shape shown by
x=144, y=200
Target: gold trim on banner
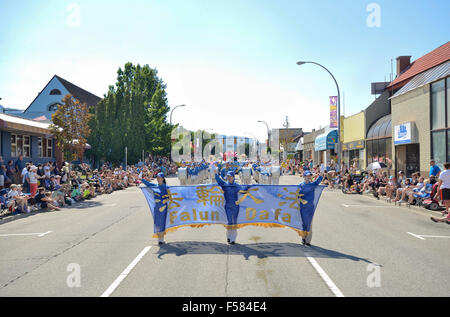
x=301, y=233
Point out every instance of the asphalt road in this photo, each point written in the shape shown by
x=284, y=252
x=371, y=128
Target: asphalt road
x=360, y=247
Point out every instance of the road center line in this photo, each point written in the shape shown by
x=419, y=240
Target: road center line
x=124, y=274
x=324, y=276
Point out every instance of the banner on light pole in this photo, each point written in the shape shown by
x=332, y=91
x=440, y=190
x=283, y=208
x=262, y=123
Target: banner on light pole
x=333, y=112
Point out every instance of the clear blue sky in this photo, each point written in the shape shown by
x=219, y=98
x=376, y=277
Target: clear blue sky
x=231, y=62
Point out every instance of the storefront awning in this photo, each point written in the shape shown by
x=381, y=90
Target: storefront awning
x=326, y=141
x=17, y=124
x=382, y=128
x=299, y=146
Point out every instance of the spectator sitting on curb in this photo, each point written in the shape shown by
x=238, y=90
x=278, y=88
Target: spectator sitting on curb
x=44, y=201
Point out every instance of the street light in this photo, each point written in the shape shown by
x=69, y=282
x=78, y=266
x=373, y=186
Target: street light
x=268, y=132
x=338, y=109
x=173, y=110
x=170, y=154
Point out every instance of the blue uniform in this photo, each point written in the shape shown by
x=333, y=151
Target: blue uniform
x=230, y=192
x=307, y=189
x=159, y=217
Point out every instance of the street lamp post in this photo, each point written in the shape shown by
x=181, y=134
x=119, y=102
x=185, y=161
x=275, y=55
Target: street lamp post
x=173, y=110
x=170, y=153
x=268, y=132
x=338, y=109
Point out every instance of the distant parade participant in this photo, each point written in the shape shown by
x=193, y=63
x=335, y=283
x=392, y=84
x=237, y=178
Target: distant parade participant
x=256, y=172
x=183, y=174
x=246, y=174
x=213, y=171
x=264, y=175
x=159, y=217
x=307, y=186
x=191, y=176
x=275, y=172
x=230, y=190
x=226, y=169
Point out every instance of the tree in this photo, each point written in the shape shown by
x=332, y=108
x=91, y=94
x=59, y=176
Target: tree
x=71, y=127
x=133, y=114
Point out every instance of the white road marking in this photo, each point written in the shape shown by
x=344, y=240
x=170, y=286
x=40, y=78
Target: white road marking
x=324, y=276
x=39, y=234
x=43, y=234
x=124, y=274
x=445, y=237
x=371, y=206
x=109, y=205
x=415, y=235
x=421, y=236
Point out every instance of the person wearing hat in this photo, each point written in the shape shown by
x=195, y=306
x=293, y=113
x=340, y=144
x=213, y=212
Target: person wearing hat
x=230, y=191
x=33, y=180
x=444, y=192
x=182, y=174
x=213, y=170
x=246, y=174
x=159, y=218
x=309, y=185
x=44, y=201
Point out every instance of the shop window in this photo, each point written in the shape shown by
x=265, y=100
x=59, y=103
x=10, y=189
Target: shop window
x=20, y=145
x=388, y=160
x=448, y=146
x=448, y=103
x=369, y=151
x=439, y=148
x=438, y=105
x=45, y=147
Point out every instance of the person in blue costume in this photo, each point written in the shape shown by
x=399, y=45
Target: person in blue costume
x=160, y=212
x=225, y=170
x=230, y=191
x=307, y=188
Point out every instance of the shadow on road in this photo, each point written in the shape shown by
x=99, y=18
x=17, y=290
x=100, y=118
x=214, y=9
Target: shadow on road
x=85, y=204
x=260, y=250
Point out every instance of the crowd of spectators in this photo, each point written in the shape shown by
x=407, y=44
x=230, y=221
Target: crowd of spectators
x=26, y=187
x=394, y=188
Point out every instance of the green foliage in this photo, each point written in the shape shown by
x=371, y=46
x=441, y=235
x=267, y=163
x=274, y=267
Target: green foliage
x=133, y=114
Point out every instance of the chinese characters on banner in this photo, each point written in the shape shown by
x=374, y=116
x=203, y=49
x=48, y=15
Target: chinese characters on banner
x=267, y=206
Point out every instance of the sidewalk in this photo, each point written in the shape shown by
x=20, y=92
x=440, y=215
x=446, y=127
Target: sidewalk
x=383, y=199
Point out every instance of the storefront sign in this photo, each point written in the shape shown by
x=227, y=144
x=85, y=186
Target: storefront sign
x=353, y=145
x=326, y=141
x=403, y=133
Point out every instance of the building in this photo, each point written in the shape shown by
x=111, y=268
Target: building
x=353, y=141
x=308, y=146
x=378, y=122
x=29, y=138
x=420, y=111
x=47, y=101
x=324, y=146
x=288, y=139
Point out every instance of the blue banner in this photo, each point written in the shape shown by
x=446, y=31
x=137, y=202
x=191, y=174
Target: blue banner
x=233, y=206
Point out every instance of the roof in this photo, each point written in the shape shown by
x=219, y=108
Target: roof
x=10, y=122
x=78, y=93
x=430, y=60
x=433, y=74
